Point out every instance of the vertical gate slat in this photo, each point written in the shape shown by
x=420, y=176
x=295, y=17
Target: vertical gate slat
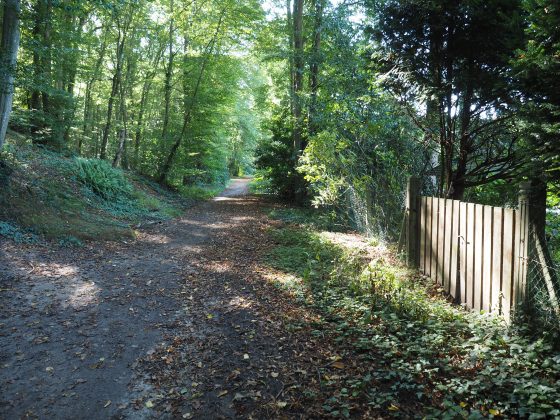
x=441, y=242
x=434, y=238
x=471, y=251
x=487, y=262
x=422, y=228
x=454, y=249
x=463, y=252
x=478, y=256
x=520, y=254
x=428, y=261
x=507, y=269
x=447, y=244
x=497, y=251
x=515, y=256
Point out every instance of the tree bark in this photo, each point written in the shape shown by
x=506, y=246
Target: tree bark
x=290, y=30
x=89, y=86
x=72, y=70
x=125, y=91
x=46, y=60
x=319, y=6
x=117, y=77
x=298, y=77
x=8, y=55
x=168, y=77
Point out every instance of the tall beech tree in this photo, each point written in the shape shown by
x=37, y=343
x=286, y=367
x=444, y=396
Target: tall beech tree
x=9, y=45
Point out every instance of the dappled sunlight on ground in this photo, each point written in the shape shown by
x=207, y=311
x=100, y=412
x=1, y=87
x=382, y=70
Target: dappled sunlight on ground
x=83, y=295
x=153, y=238
x=240, y=302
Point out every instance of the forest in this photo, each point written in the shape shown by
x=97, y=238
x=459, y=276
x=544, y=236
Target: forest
x=358, y=200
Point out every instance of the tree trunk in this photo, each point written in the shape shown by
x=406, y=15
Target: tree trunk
x=114, y=91
x=8, y=55
x=89, y=87
x=298, y=77
x=46, y=61
x=122, y=130
x=299, y=64
x=126, y=91
x=168, y=76
x=146, y=87
x=314, y=66
x=72, y=69
x=290, y=30
x=140, y=121
x=36, y=103
x=188, y=111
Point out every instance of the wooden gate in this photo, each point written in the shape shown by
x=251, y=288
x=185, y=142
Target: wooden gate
x=477, y=253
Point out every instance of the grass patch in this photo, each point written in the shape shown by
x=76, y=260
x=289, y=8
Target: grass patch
x=313, y=218
x=200, y=192
x=417, y=355
x=69, y=199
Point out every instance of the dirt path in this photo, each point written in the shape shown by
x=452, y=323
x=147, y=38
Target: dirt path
x=75, y=321
x=184, y=322
x=175, y=324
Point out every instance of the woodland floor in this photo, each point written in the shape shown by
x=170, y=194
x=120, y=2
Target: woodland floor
x=181, y=322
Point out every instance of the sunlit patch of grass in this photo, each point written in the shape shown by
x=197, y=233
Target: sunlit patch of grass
x=313, y=218
x=200, y=192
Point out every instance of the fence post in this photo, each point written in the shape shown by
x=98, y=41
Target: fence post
x=412, y=234
x=521, y=244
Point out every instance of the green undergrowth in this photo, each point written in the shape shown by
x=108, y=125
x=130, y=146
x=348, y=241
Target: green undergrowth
x=201, y=192
x=45, y=195
x=417, y=354
x=313, y=218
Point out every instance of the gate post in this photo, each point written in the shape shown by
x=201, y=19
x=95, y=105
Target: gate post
x=412, y=226
x=521, y=244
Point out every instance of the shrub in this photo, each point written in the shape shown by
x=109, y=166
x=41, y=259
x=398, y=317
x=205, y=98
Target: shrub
x=102, y=178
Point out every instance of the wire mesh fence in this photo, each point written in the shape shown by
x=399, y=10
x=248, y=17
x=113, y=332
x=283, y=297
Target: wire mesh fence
x=542, y=294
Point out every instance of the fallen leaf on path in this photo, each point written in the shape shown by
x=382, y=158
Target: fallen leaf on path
x=107, y=404
x=281, y=404
x=222, y=393
x=149, y=404
x=338, y=365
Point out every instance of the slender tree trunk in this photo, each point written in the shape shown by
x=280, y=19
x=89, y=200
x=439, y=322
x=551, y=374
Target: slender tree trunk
x=290, y=31
x=72, y=67
x=87, y=100
x=146, y=87
x=117, y=77
x=36, y=103
x=298, y=77
x=8, y=55
x=299, y=68
x=140, y=122
x=122, y=129
x=121, y=157
x=168, y=77
x=188, y=110
x=314, y=66
x=46, y=62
